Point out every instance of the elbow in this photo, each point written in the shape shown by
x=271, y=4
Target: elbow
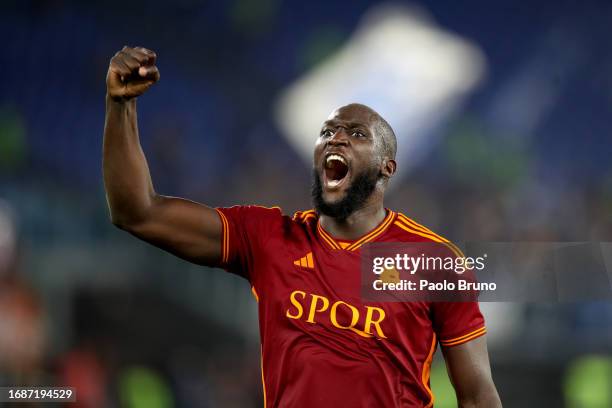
x=125, y=222
x=131, y=217
x=130, y=221
x=119, y=222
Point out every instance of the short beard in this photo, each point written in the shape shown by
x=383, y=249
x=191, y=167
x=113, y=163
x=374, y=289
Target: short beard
x=356, y=196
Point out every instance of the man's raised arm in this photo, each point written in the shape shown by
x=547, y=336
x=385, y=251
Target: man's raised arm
x=187, y=229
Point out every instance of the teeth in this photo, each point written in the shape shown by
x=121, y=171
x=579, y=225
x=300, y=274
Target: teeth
x=333, y=183
x=335, y=157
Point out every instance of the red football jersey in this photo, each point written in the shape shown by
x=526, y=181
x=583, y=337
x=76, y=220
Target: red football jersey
x=322, y=345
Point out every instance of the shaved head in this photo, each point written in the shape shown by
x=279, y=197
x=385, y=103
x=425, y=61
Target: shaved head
x=386, y=140
x=354, y=159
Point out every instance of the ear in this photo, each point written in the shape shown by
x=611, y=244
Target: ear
x=388, y=168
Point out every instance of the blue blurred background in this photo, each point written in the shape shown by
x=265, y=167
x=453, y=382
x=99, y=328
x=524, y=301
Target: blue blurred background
x=521, y=153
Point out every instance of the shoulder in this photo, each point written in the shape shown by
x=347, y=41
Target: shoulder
x=410, y=227
x=304, y=216
x=268, y=217
x=411, y=230
x=252, y=210
x=250, y=214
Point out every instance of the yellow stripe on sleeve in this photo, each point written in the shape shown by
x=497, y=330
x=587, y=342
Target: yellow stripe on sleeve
x=424, y=229
x=428, y=234
x=224, y=237
x=465, y=338
x=413, y=231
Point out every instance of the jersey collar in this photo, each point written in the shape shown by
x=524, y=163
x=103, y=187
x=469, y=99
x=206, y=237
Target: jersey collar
x=354, y=245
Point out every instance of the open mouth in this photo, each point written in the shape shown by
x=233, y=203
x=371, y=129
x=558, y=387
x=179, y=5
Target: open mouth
x=336, y=170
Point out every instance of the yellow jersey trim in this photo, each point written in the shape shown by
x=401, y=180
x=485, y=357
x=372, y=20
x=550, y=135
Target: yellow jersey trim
x=255, y=293
x=263, y=381
x=352, y=246
x=373, y=234
x=415, y=225
x=465, y=338
x=224, y=237
x=427, y=371
x=303, y=215
x=327, y=238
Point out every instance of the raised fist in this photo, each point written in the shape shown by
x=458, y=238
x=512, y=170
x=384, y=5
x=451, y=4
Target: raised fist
x=131, y=72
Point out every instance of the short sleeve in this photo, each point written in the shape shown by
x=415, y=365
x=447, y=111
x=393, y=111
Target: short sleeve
x=246, y=230
x=457, y=322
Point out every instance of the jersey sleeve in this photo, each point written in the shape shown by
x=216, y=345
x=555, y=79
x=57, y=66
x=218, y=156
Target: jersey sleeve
x=457, y=322
x=246, y=230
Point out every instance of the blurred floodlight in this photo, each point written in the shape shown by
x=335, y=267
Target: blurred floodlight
x=401, y=64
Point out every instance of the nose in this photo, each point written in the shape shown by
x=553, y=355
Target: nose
x=340, y=138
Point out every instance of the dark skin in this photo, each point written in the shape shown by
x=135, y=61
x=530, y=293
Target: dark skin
x=187, y=229
x=350, y=132
x=193, y=231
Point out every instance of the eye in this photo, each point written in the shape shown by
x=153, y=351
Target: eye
x=357, y=133
x=327, y=133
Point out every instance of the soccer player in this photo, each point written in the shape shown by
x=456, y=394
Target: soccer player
x=322, y=345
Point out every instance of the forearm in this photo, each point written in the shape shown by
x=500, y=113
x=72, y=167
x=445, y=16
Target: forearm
x=127, y=179
x=187, y=229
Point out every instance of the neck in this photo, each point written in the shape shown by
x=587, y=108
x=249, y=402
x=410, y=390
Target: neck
x=357, y=224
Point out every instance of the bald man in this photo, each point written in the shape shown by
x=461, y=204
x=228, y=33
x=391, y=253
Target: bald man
x=322, y=344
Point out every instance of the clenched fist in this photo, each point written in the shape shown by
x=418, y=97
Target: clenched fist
x=131, y=72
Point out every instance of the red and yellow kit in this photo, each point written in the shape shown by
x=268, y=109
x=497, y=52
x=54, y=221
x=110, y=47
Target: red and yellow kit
x=322, y=345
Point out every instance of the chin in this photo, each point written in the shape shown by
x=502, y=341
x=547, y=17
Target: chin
x=333, y=197
x=340, y=200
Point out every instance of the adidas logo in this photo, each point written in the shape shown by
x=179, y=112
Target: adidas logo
x=305, y=261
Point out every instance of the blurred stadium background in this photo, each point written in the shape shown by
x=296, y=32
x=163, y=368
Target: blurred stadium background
x=503, y=112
